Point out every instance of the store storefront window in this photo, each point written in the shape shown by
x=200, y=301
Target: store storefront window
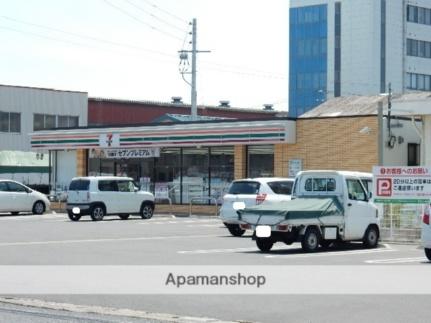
x=195, y=174
x=179, y=174
x=221, y=171
x=260, y=161
x=166, y=177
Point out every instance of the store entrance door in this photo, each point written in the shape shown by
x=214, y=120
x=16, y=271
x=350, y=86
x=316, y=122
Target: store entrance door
x=128, y=169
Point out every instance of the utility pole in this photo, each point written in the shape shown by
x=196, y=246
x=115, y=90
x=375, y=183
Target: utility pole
x=194, y=93
x=184, y=69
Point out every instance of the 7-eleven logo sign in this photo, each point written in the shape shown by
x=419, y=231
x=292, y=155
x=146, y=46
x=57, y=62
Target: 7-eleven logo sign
x=109, y=140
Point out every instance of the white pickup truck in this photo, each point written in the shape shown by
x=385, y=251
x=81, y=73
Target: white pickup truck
x=326, y=206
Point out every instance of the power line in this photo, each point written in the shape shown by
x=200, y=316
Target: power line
x=72, y=42
x=92, y=38
x=207, y=65
x=165, y=11
x=154, y=16
x=141, y=21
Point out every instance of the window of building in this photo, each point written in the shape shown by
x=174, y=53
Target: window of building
x=260, y=161
x=10, y=122
x=49, y=121
x=421, y=51
x=195, y=181
x=67, y=121
x=428, y=17
x=413, y=157
x=419, y=82
x=221, y=170
x=308, y=56
x=419, y=15
x=43, y=121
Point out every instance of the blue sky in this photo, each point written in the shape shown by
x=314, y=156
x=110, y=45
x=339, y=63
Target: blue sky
x=129, y=48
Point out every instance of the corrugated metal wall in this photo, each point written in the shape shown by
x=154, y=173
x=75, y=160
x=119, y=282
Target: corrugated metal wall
x=29, y=101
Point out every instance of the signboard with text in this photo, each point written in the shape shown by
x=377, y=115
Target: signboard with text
x=125, y=153
x=295, y=166
x=402, y=184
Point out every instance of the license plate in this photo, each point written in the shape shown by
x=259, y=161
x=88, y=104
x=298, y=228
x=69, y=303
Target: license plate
x=263, y=231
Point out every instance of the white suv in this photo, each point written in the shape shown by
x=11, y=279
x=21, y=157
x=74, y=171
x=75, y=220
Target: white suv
x=252, y=191
x=426, y=232
x=99, y=196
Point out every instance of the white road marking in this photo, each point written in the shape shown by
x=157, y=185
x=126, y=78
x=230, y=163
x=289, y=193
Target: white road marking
x=204, y=225
x=189, y=222
x=120, y=312
x=229, y=250
x=49, y=242
x=396, y=260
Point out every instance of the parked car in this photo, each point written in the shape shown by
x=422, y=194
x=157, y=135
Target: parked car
x=106, y=195
x=252, y=191
x=426, y=233
x=15, y=197
x=327, y=206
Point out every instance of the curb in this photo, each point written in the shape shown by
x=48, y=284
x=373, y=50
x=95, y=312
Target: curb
x=124, y=312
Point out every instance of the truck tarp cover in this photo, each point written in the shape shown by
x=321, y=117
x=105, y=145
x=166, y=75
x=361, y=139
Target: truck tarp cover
x=299, y=208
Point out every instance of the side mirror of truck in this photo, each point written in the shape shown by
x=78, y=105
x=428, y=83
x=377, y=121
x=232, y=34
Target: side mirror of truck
x=369, y=195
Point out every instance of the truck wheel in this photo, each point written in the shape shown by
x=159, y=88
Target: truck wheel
x=311, y=239
x=371, y=237
x=428, y=253
x=264, y=244
x=235, y=230
x=72, y=216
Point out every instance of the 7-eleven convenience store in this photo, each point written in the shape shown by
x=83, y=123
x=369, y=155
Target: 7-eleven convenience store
x=182, y=161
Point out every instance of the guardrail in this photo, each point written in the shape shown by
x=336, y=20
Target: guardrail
x=203, y=198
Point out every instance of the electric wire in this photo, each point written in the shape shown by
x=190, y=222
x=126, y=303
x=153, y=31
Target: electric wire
x=205, y=65
x=154, y=16
x=125, y=12
x=92, y=38
x=165, y=11
x=78, y=44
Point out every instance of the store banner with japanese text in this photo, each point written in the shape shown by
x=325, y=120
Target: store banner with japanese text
x=125, y=153
x=402, y=184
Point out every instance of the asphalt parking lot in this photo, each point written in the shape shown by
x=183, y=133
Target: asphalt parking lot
x=52, y=239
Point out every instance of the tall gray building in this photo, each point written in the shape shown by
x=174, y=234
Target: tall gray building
x=347, y=47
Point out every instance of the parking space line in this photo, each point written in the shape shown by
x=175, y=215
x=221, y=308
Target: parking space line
x=50, y=242
x=228, y=250
x=204, y=225
x=396, y=260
